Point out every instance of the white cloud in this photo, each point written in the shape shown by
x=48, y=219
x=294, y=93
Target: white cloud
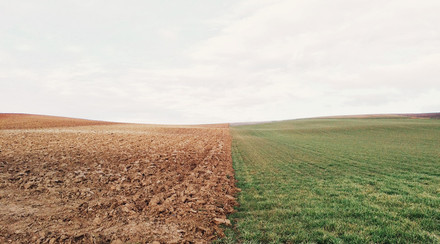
x=209, y=61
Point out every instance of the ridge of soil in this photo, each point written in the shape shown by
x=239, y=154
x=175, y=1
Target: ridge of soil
x=115, y=182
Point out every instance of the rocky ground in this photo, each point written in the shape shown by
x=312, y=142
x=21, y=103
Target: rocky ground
x=115, y=183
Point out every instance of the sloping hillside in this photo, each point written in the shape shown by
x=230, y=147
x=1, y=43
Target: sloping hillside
x=33, y=121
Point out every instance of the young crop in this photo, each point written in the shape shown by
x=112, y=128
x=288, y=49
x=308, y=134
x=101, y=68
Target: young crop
x=338, y=180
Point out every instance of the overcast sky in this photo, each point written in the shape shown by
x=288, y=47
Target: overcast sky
x=183, y=62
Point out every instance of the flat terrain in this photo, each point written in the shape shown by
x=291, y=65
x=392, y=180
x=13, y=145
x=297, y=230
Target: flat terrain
x=338, y=180
x=92, y=183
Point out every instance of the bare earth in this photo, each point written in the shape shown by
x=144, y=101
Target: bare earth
x=113, y=182
x=32, y=121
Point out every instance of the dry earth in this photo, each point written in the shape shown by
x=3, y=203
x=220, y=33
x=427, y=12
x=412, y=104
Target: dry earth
x=113, y=183
x=32, y=121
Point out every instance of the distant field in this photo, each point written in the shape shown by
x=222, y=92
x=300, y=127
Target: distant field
x=338, y=180
x=33, y=121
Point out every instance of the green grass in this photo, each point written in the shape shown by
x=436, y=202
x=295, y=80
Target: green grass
x=337, y=181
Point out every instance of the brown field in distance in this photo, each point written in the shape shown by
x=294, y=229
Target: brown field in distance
x=383, y=116
x=71, y=180
x=33, y=121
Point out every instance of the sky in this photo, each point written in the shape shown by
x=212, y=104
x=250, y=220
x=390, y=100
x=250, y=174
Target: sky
x=198, y=61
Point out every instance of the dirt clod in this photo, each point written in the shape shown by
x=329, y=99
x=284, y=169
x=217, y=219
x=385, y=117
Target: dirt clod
x=219, y=221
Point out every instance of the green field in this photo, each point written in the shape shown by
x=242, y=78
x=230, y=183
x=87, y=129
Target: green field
x=338, y=180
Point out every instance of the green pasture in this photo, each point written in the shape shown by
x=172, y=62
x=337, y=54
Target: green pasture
x=337, y=181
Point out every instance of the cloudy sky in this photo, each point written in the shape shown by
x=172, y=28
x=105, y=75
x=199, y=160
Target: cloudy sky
x=201, y=61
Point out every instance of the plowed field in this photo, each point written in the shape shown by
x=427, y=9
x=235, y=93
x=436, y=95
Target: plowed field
x=114, y=183
x=32, y=121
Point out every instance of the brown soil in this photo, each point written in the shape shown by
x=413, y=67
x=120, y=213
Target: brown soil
x=424, y=116
x=385, y=116
x=115, y=183
x=32, y=121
